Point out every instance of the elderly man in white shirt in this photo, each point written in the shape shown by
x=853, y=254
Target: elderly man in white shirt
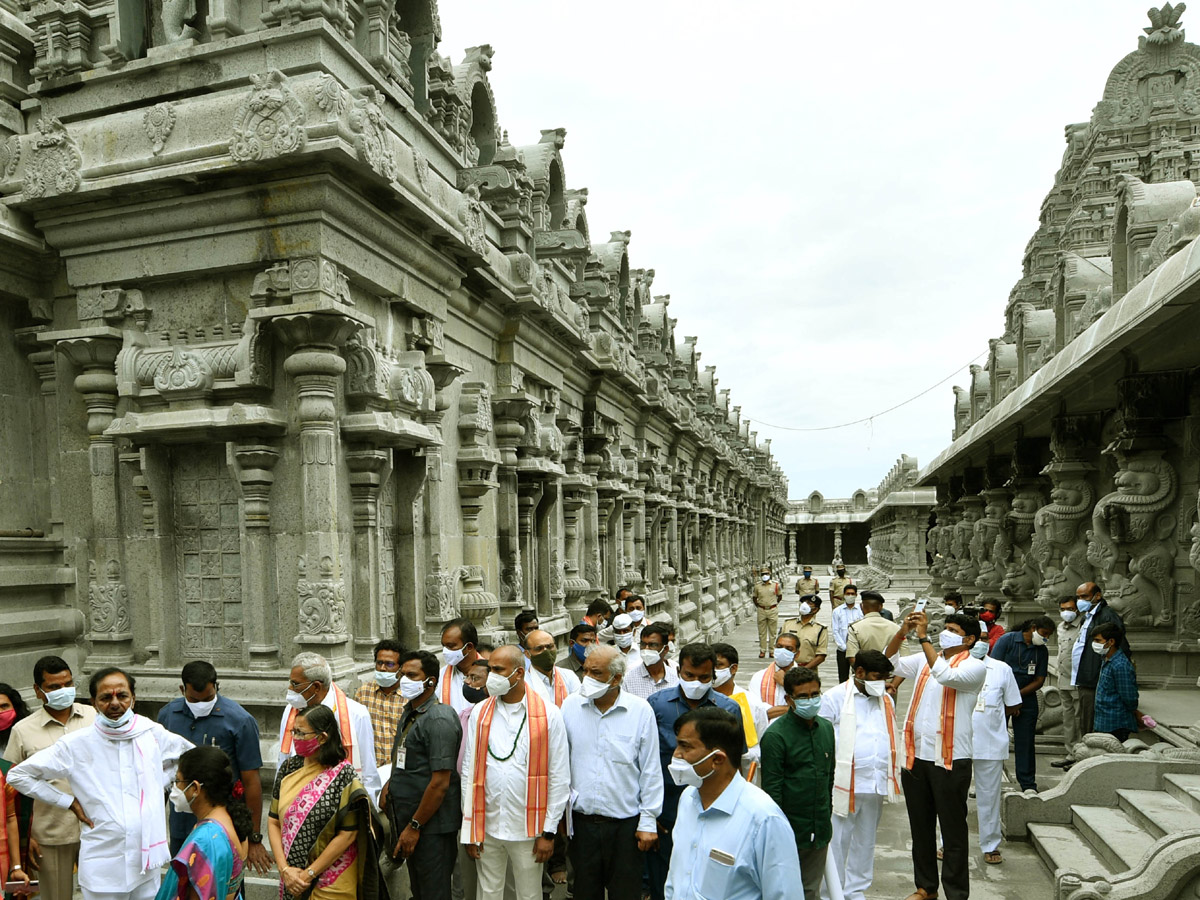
x=311, y=683
x=938, y=747
x=867, y=770
x=516, y=779
x=1000, y=698
x=118, y=771
x=616, y=779
x=554, y=683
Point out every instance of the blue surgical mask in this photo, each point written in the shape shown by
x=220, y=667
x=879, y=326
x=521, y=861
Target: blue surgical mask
x=807, y=708
x=580, y=651
x=1083, y=605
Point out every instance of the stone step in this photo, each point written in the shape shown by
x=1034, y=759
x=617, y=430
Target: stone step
x=1064, y=848
x=1116, y=836
x=1158, y=811
x=1185, y=789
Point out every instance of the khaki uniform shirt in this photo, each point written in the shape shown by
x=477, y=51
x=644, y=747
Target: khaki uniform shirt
x=814, y=639
x=837, y=585
x=806, y=586
x=871, y=632
x=52, y=826
x=766, y=594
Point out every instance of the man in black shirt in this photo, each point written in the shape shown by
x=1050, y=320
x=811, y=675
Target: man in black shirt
x=423, y=793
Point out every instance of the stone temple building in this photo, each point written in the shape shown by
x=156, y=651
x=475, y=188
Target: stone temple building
x=1076, y=457
x=298, y=350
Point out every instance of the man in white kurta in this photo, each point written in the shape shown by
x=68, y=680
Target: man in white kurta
x=117, y=771
x=507, y=841
x=874, y=763
x=989, y=725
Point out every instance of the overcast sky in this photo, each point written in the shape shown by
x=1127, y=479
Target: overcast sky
x=835, y=197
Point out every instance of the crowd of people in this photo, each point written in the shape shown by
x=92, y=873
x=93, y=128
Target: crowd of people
x=631, y=769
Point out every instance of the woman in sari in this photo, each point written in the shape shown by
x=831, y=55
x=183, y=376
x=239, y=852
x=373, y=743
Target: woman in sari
x=321, y=825
x=209, y=864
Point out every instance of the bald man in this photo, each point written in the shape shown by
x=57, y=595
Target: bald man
x=513, y=733
x=549, y=680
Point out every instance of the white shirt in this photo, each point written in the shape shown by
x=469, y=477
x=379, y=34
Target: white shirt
x=505, y=787
x=639, y=682
x=990, y=730
x=102, y=775
x=1081, y=642
x=967, y=679
x=755, y=691
x=843, y=617
x=615, y=767
x=363, y=735
x=457, y=680
x=544, y=686
x=872, y=743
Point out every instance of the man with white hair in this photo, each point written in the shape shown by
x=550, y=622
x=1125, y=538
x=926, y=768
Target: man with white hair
x=311, y=683
x=616, y=779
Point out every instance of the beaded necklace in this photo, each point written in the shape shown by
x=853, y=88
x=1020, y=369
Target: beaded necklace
x=516, y=740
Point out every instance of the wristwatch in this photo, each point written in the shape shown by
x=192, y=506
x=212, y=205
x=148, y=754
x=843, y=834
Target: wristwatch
x=256, y=838
x=924, y=640
x=549, y=835
x=414, y=824
x=311, y=874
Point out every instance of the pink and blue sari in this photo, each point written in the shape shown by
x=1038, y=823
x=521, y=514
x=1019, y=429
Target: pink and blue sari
x=208, y=862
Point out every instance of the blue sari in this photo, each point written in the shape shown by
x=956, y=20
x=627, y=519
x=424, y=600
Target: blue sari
x=208, y=863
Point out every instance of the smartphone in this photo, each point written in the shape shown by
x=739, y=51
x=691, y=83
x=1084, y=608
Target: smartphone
x=20, y=887
x=921, y=604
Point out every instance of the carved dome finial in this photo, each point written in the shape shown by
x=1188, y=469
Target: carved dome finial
x=1164, y=24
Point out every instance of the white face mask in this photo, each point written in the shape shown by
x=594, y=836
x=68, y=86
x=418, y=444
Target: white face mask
x=202, y=708
x=947, y=640
x=296, y=700
x=118, y=723
x=624, y=641
x=873, y=688
x=498, y=685
x=385, y=679
x=1068, y=615
x=722, y=677
x=651, y=658
x=695, y=690
x=766, y=578
x=591, y=689
x=60, y=698
x=410, y=688
x=979, y=649
x=637, y=615
x=805, y=609
x=1038, y=640
x=452, y=657
x=951, y=610
x=179, y=799
x=850, y=599
x=784, y=657
x=684, y=773
x=1100, y=647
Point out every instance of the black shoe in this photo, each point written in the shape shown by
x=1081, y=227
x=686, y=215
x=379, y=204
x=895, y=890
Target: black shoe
x=1062, y=763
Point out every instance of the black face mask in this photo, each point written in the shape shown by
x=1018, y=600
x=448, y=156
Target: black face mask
x=474, y=694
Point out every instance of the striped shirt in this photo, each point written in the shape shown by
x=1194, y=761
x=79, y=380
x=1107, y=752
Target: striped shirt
x=385, y=710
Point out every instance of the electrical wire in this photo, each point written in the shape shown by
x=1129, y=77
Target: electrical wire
x=871, y=418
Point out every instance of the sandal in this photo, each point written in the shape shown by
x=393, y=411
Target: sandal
x=919, y=894
x=994, y=858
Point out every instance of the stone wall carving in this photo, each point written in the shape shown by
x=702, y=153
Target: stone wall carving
x=53, y=164
x=322, y=600
x=108, y=601
x=270, y=122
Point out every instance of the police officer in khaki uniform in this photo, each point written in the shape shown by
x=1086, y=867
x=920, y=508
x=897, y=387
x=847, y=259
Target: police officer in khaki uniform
x=814, y=637
x=838, y=584
x=806, y=584
x=766, y=601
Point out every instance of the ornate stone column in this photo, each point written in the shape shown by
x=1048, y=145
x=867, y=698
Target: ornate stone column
x=370, y=473
x=253, y=467
x=477, y=464
x=1022, y=578
x=1059, y=545
x=575, y=490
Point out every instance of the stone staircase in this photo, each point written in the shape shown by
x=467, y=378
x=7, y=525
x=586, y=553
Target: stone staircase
x=1117, y=827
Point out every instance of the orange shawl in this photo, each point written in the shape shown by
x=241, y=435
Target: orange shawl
x=767, y=687
x=343, y=713
x=948, y=696
x=537, y=790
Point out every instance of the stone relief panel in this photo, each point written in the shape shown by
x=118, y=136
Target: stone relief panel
x=108, y=601
x=54, y=164
x=322, y=600
x=270, y=121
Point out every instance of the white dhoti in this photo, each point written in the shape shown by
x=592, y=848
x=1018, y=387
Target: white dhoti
x=853, y=846
x=989, y=773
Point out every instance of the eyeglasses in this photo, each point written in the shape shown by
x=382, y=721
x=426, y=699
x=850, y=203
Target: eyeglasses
x=295, y=685
x=303, y=735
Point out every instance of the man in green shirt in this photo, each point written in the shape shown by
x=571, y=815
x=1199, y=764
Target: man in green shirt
x=797, y=773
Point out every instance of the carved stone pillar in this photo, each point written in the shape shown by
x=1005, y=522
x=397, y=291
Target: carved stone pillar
x=1022, y=578
x=370, y=474
x=253, y=468
x=1060, y=545
x=477, y=464
x=529, y=495
x=991, y=544
x=575, y=489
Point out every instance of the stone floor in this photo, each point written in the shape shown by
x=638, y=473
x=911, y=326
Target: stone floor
x=1022, y=875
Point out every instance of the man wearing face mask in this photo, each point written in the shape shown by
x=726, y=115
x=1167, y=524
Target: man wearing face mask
x=806, y=584
x=652, y=672
x=767, y=685
x=1090, y=602
x=206, y=718
x=622, y=626
x=1024, y=651
x=616, y=780
x=765, y=595
x=54, y=832
x=732, y=841
x=520, y=778
x=754, y=714
x=838, y=585
x=989, y=615
x=1068, y=634
x=937, y=748
x=459, y=650
x=814, y=637
x=867, y=770
x=1116, y=689
x=423, y=793
x=953, y=602
x=697, y=666
x=310, y=683
x=872, y=631
x=552, y=682
x=381, y=698
x=844, y=615
x=117, y=771
x=599, y=614
x=635, y=608
x=797, y=773
x=999, y=699
x=579, y=638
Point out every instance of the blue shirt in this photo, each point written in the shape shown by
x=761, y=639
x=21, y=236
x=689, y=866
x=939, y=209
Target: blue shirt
x=1116, y=695
x=1021, y=657
x=740, y=848
x=668, y=705
x=229, y=727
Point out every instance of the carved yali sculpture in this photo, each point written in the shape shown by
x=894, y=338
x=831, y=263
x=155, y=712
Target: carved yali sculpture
x=1059, y=547
x=270, y=121
x=1194, y=552
x=1138, y=520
